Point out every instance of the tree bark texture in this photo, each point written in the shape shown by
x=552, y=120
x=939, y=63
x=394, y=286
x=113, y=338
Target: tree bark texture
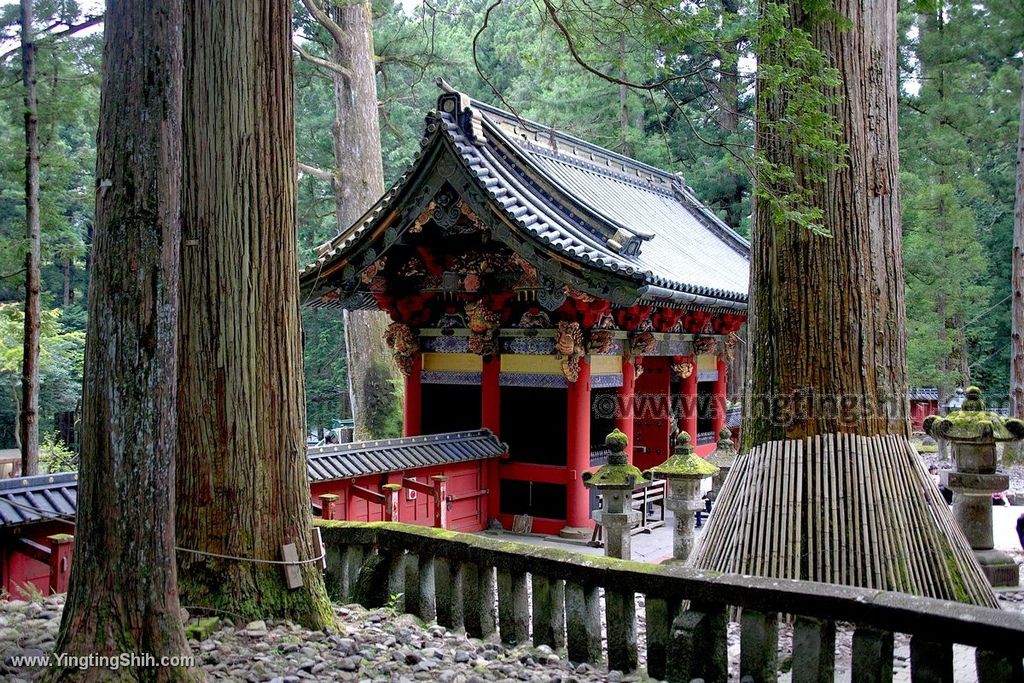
x=827, y=325
x=358, y=183
x=28, y=418
x=1017, y=328
x=123, y=595
x=242, y=485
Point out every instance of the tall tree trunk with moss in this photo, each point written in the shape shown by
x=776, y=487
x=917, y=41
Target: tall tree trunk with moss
x=123, y=595
x=28, y=418
x=243, y=490
x=1017, y=329
x=827, y=314
x=358, y=182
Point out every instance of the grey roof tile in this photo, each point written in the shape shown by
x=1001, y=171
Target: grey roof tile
x=574, y=196
x=24, y=500
x=361, y=458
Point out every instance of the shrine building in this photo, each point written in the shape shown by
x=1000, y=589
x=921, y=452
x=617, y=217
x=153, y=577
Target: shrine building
x=550, y=291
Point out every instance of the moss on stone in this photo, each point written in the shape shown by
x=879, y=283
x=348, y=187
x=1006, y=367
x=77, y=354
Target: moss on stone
x=201, y=629
x=616, y=441
x=686, y=465
x=615, y=476
x=975, y=425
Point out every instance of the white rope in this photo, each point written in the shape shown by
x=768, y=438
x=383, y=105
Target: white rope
x=250, y=559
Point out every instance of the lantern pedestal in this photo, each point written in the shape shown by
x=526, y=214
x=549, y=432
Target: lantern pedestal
x=684, y=471
x=973, y=433
x=616, y=481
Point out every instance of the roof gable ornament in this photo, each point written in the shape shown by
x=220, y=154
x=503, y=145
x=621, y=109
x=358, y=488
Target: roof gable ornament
x=457, y=105
x=625, y=243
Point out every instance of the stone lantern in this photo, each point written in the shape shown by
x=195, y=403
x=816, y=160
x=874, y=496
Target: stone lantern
x=616, y=481
x=684, y=471
x=973, y=432
x=723, y=457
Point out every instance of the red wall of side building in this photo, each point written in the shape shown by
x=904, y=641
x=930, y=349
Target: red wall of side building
x=17, y=569
x=919, y=410
x=466, y=483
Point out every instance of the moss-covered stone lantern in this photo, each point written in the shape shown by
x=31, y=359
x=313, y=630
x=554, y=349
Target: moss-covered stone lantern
x=974, y=432
x=723, y=457
x=684, y=471
x=616, y=481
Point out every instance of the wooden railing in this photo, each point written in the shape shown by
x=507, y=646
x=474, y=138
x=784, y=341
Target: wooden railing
x=553, y=597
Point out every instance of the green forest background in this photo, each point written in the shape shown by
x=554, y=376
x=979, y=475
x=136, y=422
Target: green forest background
x=959, y=106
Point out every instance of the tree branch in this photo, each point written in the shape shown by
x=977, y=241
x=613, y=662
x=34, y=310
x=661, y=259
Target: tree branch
x=316, y=172
x=49, y=37
x=337, y=32
x=323, y=63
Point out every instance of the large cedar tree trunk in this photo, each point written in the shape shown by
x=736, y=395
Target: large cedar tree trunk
x=123, y=595
x=1017, y=331
x=28, y=418
x=243, y=490
x=828, y=361
x=358, y=183
x=827, y=314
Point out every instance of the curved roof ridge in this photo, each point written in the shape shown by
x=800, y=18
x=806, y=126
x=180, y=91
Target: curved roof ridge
x=510, y=117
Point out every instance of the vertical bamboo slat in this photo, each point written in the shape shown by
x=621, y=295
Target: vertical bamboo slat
x=843, y=509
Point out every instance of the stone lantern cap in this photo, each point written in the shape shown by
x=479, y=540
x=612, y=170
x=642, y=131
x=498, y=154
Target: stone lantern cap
x=974, y=424
x=618, y=473
x=684, y=463
x=724, y=454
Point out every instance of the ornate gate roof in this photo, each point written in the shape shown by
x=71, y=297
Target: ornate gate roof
x=589, y=218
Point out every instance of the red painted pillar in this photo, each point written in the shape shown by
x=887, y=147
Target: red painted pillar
x=61, y=548
x=689, y=412
x=327, y=502
x=391, y=492
x=578, y=450
x=440, y=501
x=412, y=420
x=624, y=405
x=490, y=418
x=718, y=416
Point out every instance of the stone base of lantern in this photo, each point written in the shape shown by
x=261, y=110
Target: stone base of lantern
x=999, y=567
x=683, y=500
x=972, y=509
x=617, y=529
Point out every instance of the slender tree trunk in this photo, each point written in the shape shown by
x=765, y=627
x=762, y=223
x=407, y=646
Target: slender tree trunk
x=358, y=183
x=29, y=418
x=243, y=490
x=68, y=293
x=1017, y=329
x=729, y=117
x=827, y=320
x=123, y=596
x=623, y=99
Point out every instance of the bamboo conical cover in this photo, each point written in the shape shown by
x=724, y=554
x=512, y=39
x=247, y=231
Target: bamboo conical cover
x=844, y=509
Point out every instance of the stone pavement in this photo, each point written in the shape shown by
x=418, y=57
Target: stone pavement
x=650, y=547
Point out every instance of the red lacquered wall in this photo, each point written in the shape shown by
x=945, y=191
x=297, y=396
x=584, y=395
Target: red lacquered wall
x=467, y=509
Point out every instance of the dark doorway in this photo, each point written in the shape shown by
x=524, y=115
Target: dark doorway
x=450, y=408
x=533, y=498
x=533, y=424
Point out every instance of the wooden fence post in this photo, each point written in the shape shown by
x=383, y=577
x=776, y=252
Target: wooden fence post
x=440, y=501
x=61, y=548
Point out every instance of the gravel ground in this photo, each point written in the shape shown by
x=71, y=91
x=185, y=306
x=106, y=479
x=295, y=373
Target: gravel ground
x=369, y=645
